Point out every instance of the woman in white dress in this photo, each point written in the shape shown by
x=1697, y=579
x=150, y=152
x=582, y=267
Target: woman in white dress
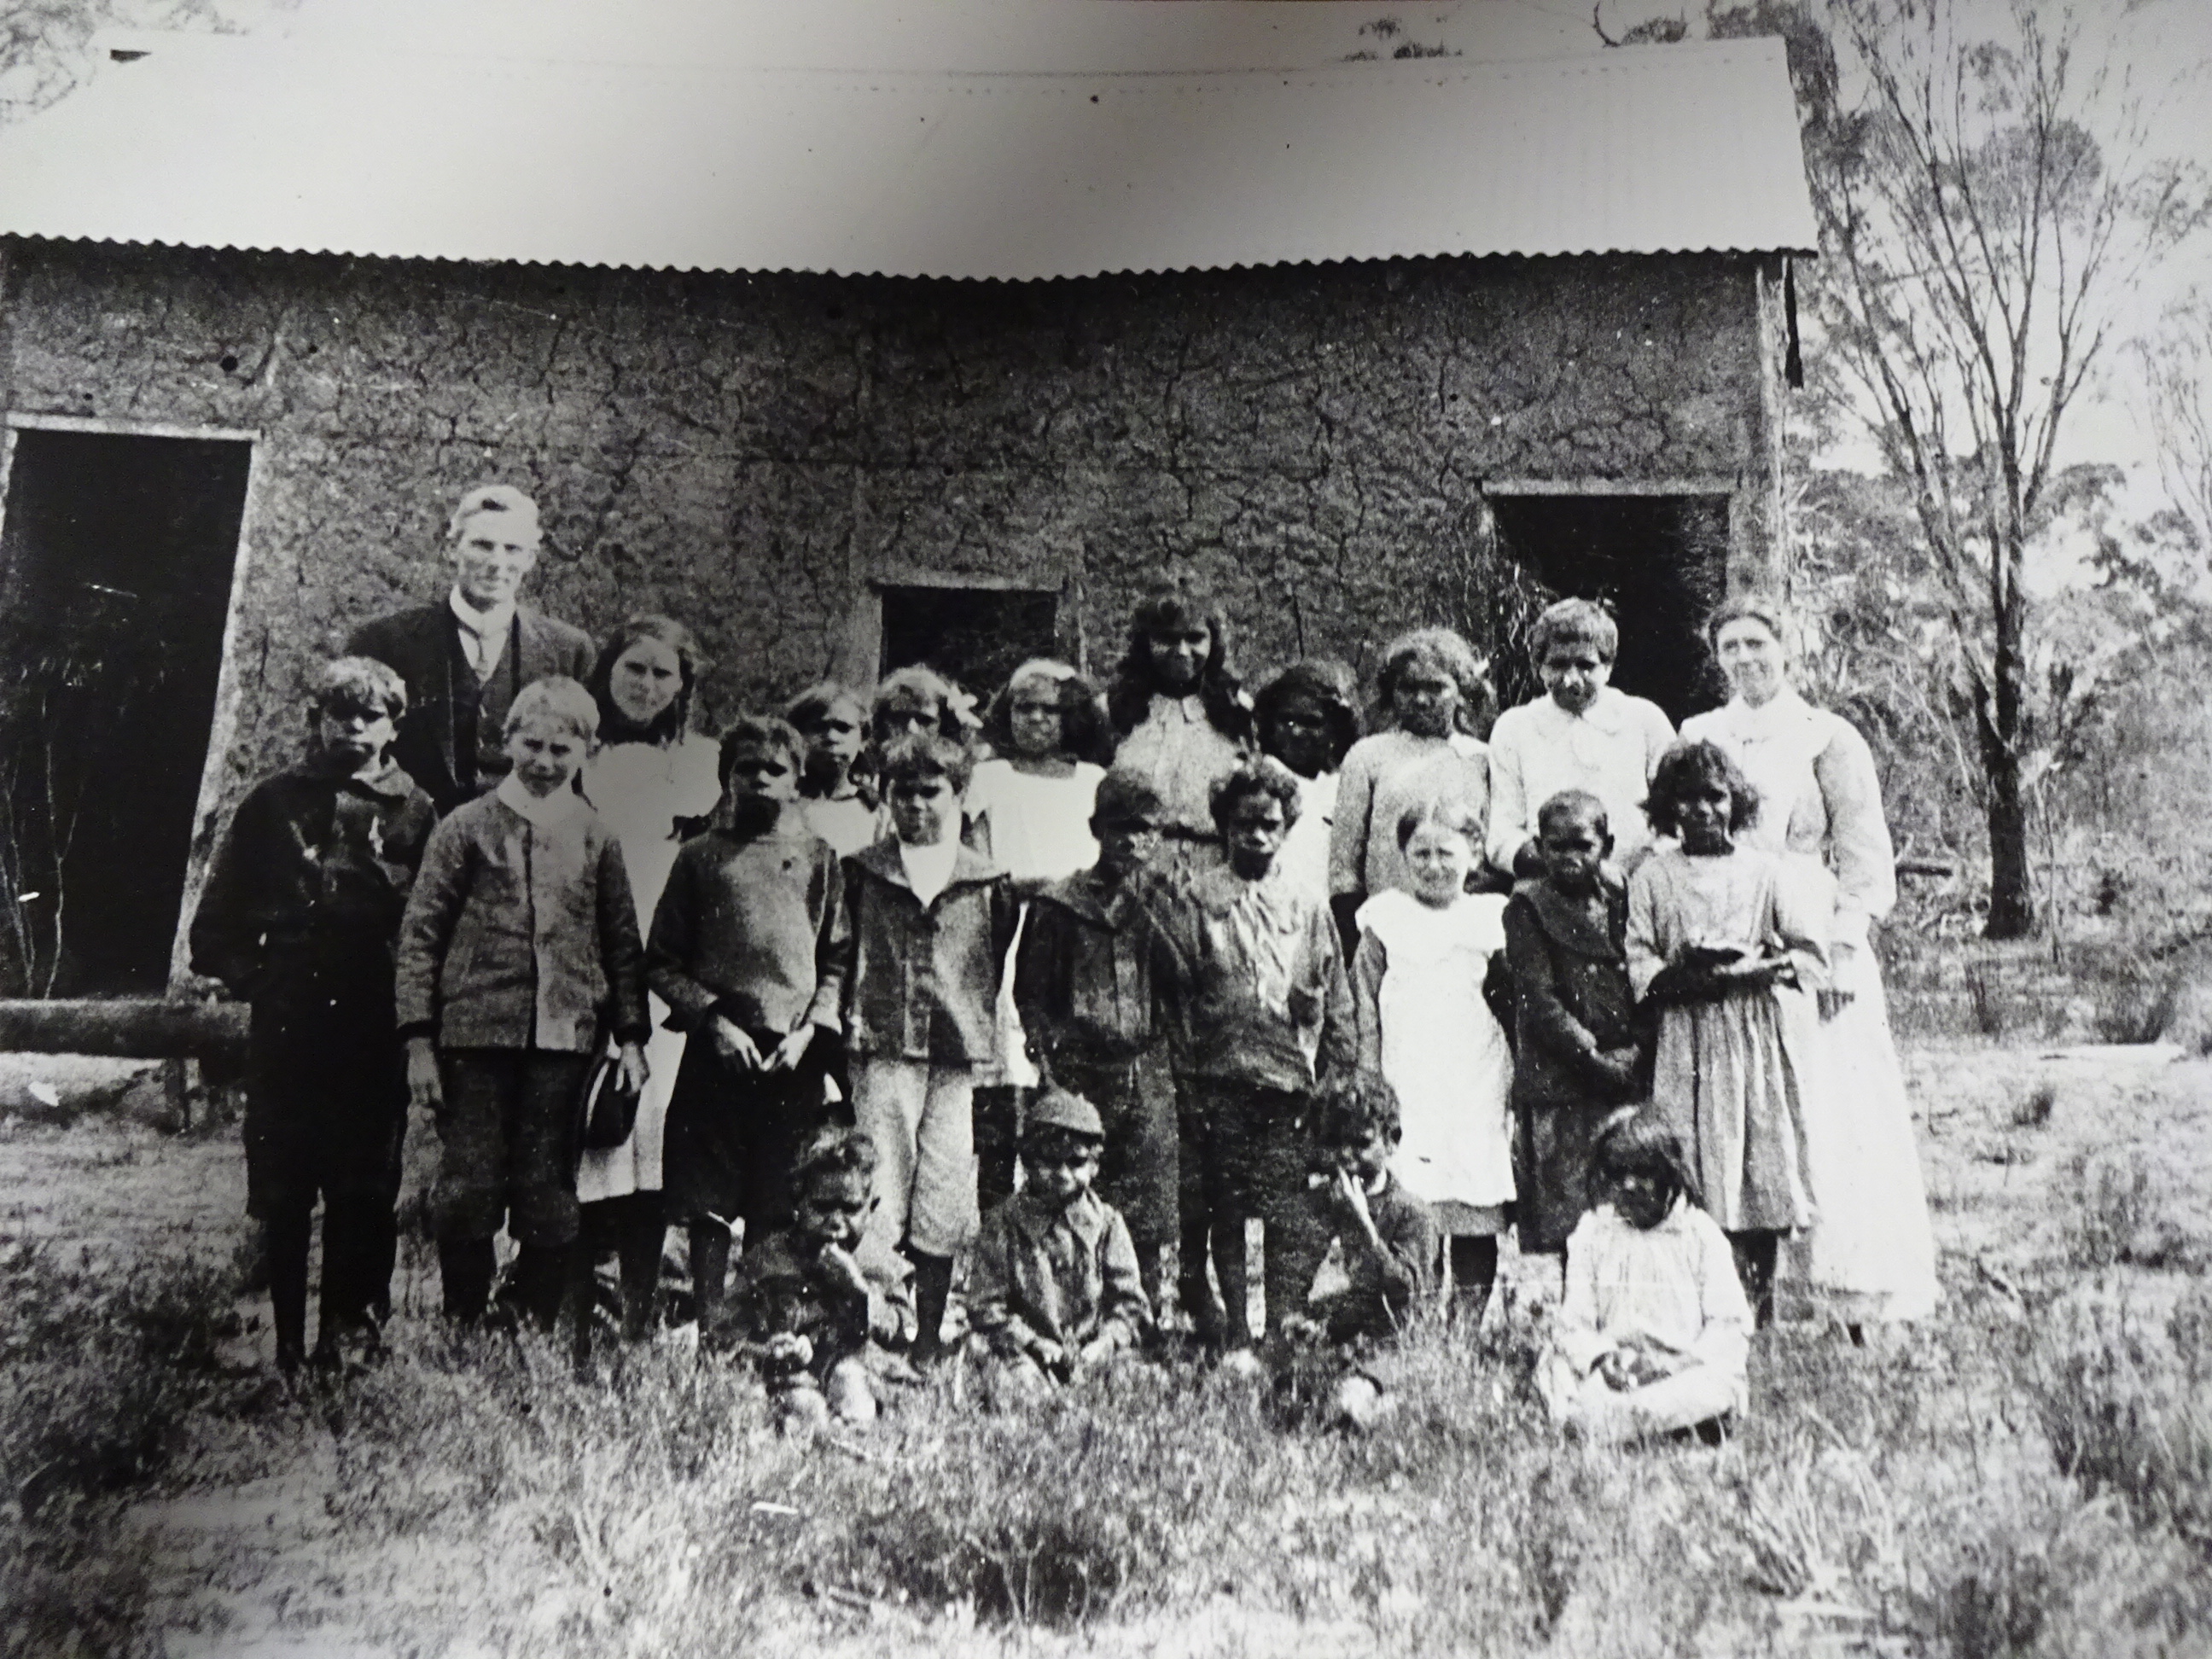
x=1029, y=807
x=652, y=778
x=1870, y=1253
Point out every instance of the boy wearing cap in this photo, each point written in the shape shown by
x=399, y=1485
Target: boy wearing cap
x=466, y=659
x=1089, y=980
x=1053, y=1288
x=299, y=917
x=822, y=1307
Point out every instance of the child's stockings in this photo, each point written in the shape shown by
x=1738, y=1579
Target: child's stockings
x=465, y=1266
x=1755, y=1252
x=287, y=1235
x=932, y=1288
x=639, y=1229
x=1474, y=1261
x=1229, y=1266
x=1195, y=1295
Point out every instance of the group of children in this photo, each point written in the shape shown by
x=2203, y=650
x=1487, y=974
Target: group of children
x=1063, y=993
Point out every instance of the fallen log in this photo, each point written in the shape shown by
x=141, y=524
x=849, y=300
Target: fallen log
x=125, y=1028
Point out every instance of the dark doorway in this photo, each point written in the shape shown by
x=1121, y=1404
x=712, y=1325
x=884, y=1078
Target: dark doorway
x=975, y=636
x=115, y=556
x=1660, y=561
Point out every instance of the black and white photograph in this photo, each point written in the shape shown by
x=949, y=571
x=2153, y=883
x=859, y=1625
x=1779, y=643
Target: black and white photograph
x=1187, y=828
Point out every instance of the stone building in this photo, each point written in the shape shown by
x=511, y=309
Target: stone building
x=855, y=369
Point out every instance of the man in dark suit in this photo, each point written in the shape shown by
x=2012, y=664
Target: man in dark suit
x=465, y=659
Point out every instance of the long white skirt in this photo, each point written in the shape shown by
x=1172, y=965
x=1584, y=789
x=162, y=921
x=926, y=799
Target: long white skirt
x=1870, y=1253
x=634, y=1166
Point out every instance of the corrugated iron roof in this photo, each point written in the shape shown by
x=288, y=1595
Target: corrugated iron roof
x=282, y=145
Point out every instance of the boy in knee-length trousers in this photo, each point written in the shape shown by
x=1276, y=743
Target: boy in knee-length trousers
x=298, y=915
x=519, y=953
x=931, y=920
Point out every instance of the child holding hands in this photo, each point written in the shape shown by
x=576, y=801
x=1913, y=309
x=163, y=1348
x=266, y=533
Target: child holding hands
x=1053, y=1288
x=748, y=950
x=1576, y=1060
x=298, y=915
x=1654, y=1332
x=518, y=956
x=1730, y=953
x=823, y=1309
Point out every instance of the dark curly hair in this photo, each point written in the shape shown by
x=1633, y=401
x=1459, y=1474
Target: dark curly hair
x=1450, y=655
x=1259, y=776
x=760, y=732
x=1350, y=1106
x=1637, y=1140
x=1330, y=685
x=671, y=721
x=1084, y=735
x=807, y=711
x=1694, y=762
x=834, y=1151
x=1177, y=605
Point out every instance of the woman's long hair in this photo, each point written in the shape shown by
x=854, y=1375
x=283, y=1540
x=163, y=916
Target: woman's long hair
x=1448, y=654
x=671, y=722
x=1178, y=605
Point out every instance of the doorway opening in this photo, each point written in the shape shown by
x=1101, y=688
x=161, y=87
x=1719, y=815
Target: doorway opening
x=116, y=559
x=1661, y=562
x=975, y=636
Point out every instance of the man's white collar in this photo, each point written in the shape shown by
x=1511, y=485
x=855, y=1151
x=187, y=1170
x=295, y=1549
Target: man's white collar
x=484, y=623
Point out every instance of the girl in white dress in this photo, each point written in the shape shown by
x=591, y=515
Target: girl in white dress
x=651, y=777
x=1029, y=807
x=1417, y=983
x=1871, y=1253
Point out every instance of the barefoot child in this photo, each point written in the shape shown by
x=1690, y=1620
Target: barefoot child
x=1729, y=954
x=1387, y=1239
x=1263, y=1013
x=1089, y=978
x=1029, y=808
x=748, y=950
x=1425, y=951
x=299, y=917
x=1577, y=1060
x=1053, y=1289
x=833, y=720
x=518, y=956
x=823, y=1311
x=931, y=921
x=1653, y=1332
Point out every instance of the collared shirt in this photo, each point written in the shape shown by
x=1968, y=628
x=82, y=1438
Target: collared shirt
x=544, y=810
x=483, y=632
x=1610, y=751
x=929, y=869
x=1065, y=1272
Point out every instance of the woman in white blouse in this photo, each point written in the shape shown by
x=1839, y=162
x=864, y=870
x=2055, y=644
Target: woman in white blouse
x=1871, y=1253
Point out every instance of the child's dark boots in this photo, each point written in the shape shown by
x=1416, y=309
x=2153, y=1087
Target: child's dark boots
x=932, y=1290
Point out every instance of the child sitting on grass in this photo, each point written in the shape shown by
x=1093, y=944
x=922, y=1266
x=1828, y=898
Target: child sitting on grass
x=1386, y=1239
x=1263, y=1013
x=1577, y=1060
x=1053, y=1287
x=748, y=950
x=1090, y=979
x=1653, y=1333
x=298, y=915
x=931, y=921
x=823, y=1308
x=520, y=954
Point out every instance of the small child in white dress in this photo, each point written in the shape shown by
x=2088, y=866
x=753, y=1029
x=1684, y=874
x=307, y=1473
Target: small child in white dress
x=1417, y=983
x=1653, y=1333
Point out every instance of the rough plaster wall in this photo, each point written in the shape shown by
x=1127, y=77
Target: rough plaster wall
x=744, y=451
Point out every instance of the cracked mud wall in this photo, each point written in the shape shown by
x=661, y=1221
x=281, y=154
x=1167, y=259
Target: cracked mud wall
x=746, y=452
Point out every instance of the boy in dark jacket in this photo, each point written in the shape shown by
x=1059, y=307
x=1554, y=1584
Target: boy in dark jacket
x=823, y=1309
x=1387, y=1239
x=1263, y=1011
x=748, y=950
x=1576, y=1058
x=931, y=920
x=1052, y=1286
x=518, y=956
x=300, y=909
x=1090, y=979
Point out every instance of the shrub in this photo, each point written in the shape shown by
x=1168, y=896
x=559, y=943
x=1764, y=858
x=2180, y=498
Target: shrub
x=2033, y=1109
x=2137, y=1004
x=2113, y=1209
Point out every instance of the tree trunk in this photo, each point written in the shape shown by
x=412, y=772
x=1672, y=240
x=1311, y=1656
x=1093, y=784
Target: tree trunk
x=2012, y=903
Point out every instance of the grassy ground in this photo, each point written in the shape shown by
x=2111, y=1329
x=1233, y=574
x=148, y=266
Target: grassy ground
x=2033, y=1475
